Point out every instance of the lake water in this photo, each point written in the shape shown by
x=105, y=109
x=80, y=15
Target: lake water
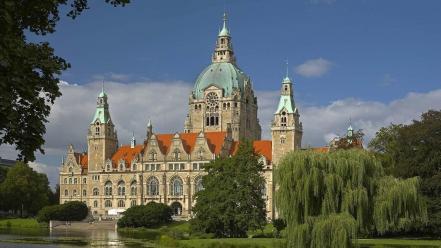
x=68, y=238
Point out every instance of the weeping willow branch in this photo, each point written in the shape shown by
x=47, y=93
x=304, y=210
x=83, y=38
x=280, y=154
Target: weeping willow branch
x=326, y=199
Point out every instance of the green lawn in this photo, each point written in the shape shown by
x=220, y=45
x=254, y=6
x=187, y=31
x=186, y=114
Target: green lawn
x=20, y=223
x=233, y=243
x=408, y=243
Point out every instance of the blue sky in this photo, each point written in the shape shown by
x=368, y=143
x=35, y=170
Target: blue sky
x=378, y=50
x=374, y=61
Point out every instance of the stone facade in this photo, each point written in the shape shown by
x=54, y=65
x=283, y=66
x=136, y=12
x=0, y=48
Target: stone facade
x=167, y=168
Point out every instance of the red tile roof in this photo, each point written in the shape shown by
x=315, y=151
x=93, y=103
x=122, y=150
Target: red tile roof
x=264, y=147
x=215, y=141
x=81, y=159
x=323, y=149
x=127, y=154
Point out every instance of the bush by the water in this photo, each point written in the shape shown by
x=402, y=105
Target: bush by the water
x=151, y=215
x=69, y=211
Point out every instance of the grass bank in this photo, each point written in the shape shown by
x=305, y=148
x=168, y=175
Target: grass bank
x=402, y=243
x=18, y=223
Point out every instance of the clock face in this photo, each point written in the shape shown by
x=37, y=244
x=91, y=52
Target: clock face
x=212, y=101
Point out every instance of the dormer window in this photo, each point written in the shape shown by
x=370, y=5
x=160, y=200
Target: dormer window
x=177, y=154
x=108, y=167
x=121, y=166
x=152, y=156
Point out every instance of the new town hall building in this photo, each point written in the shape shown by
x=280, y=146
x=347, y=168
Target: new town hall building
x=168, y=168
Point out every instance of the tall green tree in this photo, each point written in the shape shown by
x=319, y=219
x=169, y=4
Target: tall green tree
x=415, y=150
x=232, y=200
x=327, y=199
x=29, y=72
x=24, y=190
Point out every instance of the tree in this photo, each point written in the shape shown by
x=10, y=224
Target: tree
x=54, y=197
x=415, y=150
x=24, y=189
x=232, y=201
x=151, y=215
x=327, y=199
x=69, y=211
x=29, y=72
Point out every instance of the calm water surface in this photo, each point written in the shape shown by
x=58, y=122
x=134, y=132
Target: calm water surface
x=68, y=238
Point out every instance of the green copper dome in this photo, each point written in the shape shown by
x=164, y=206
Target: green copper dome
x=226, y=76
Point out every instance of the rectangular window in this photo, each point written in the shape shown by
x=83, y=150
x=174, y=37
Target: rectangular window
x=201, y=166
x=170, y=166
x=158, y=167
x=195, y=166
x=182, y=166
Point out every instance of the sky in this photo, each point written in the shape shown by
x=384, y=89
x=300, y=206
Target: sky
x=373, y=62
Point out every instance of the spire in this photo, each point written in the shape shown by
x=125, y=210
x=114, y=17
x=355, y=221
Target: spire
x=149, y=129
x=224, y=48
x=102, y=107
x=224, y=31
x=133, y=142
x=287, y=79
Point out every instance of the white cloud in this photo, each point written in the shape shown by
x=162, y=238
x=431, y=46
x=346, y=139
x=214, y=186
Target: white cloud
x=314, y=67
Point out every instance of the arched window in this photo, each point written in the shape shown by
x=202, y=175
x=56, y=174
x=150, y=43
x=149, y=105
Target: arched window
x=96, y=191
x=108, y=167
x=132, y=203
x=95, y=204
x=121, y=204
x=152, y=186
x=283, y=119
x=108, y=203
x=84, y=180
x=84, y=192
x=176, y=208
x=97, y=130
x=75, y=181
x=108, y=188
x=70, y=180
x=121, y=167
x=121, y=188
x=133, y=188
x=74, y=192
x=198, y=184
x=66, y=192
x=176, y=186
x=65, y=181
x=70, y=169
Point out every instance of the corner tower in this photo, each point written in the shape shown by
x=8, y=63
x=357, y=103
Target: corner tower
x=102, y=140
x=223, y=95
x=286, y=128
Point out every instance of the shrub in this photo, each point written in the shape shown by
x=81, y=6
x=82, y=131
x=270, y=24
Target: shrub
x=279, y=225
x=151, y=215
x=70, y=211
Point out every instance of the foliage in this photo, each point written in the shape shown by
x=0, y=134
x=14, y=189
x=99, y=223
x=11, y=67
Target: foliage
x=326, y=199
x=279, y=225
x=24, y=189
x=232, y=201
x=69, y=211
x=354, y=140
x=29, y=71
x=151, y=215
x=415, y=150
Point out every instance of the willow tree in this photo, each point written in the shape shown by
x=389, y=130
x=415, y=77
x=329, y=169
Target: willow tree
x=327, y=199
